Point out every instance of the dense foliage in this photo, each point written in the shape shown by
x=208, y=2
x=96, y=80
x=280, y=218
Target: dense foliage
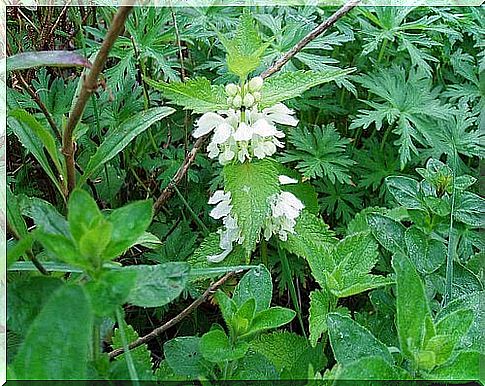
x=328, y=224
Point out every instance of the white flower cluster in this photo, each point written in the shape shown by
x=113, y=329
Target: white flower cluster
x=285, y=209
x=243, y=131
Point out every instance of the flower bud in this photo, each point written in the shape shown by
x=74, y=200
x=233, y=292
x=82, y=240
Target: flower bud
x=257, y=96
x=255, y=84
x=237, y=101
x=231, y=89
x=229, y=100
x=248, y=100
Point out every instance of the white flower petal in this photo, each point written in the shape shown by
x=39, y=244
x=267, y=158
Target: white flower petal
x=207, y=123
x=222, y=133
x=263, y=128
x=244, y=132
x=222, y=209
x=221, y=256
x=285, y=180
x=219, y=196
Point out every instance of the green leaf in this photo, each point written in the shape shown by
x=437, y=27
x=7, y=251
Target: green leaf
x=195, y=94
x=83, y=213
x=465, y=366
x=388, y=232
x=321, y=303
x=470, y=209
x=129, y=224
x=255, y=366
x=157, y=285
x=271, y=318
x=442, y=348
x=63, y=249
x=356, y=256
x=426, y=254
x=216, y=348
x=312, y=240
x=243, y=317
x=44, y=136
x=350, y=341
x=15, y=220
x=94, y=241
x=413, y=313
x=255, y=284
x=34, y=59
x=46, y=217
x=19, y=249
x=184, y=357
x=56, y=347
x=455, y=325
x=120, y=136
x=245, y=50
x=372, y=368
x=405, y=190
x=291, y=84
x=251, y=184
x=110, y=290
x=26, y=298
x=227, y=306
x=140, y=356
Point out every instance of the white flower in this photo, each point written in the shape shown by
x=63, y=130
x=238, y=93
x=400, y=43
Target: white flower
x=244, y=132
x=223, y=201
x=206, y=123
x=285, y=180
x=255, y=84
x=281, y=114
x=285, y=209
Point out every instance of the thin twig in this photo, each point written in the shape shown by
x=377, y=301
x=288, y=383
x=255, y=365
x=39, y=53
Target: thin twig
x=88, y=87
x=179, y=176
x=276, y=66
x=159, y=330
x=168, y=192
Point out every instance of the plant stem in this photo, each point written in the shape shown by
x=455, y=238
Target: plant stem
x=196, y=218
x=451, y=248
x=129, y=359
x=382, y=50
x=88, y=87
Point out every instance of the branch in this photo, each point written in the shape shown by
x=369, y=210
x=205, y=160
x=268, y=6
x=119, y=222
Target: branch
x=156, y=332
x=88, y=87
x=168, y=191
x=276, y=66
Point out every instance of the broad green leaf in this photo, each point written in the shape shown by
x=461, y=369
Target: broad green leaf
x=243, y=317
x=63, y=249
x=157, y=285
x=94, y=241
x=255, y=284
x=405, y=190
x=470, y=209
x=227, y=306
x=34, y=59
x=45, y=216
x=120, y=136
x=83, y=213
x=245, y=50
x=216, y=348
x=413, y=313
x=426, y=254
x=312, y=240
x=465, y=366
x=255, y=366
x=372, y=368
x=356, y=256
x=183, y=355
x=56, y=347
x=251, y=184
x=291, y=84
x=46, y=138
x=464, y=182
x=110, y=290
x=388, y=232
x=19, y=249
x=129, y=223
x=321, y=303
x=271, y=318
x=141, y=357
x=195, y=94
x=442, y=348
x=350, y=341
x=26, y=298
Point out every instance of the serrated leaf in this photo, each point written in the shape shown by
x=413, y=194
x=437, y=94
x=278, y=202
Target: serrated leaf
x=183, y=355
x=255, y=366
x=120, y=136
x=54, y=345
x=388, y=232
x=321, y=303
x=350, y=341
x=251, y=184
x=83, y=213
x=195, y=94
x=291, y=84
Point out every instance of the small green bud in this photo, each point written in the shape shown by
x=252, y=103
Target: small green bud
x=231, y=89
x=237, y=101
x=229, y=100
x=248, y=100
x=255, y=84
